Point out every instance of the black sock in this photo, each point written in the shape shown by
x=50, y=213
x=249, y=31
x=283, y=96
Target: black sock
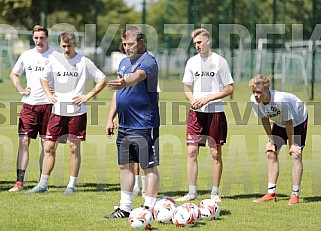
x=20, y=175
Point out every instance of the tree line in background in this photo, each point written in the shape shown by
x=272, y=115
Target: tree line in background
x=24, y=14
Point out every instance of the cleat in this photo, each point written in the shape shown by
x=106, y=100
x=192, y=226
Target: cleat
x=267, y=197
x=69, y=191
x=36, y=189
x=118, y=213
x=18, y=186
x=187, y=197
x=215, y=198
x=294, y=200
x=137, y=192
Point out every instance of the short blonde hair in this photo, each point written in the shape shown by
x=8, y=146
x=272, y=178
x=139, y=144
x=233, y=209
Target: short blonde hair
x=260, y=80
x=68, y=37
x=200, y=31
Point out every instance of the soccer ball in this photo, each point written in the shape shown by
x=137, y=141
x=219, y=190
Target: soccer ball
x=184, y=216
x=168, y=199
x=140, y=218
x=164, y=200
x=163, y=213
x=194, y=208
x=209, y=209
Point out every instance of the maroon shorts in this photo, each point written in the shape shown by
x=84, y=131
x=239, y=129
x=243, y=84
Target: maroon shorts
x=280, y=137
x=206, y=126
x=34, y=119
x=60, y=128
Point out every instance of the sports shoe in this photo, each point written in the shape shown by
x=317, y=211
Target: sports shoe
x=18, y=186
x=294, y=200
x=118, y=213
x=36, y=189
x=136, y=192
x=215, y=198
x=69, y=191
x=187, y=197
x=267, y=197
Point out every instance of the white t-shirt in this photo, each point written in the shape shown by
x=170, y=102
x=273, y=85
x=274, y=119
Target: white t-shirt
x=69, y=77
x=33, y=63
x=209, y=75
x=282, y=107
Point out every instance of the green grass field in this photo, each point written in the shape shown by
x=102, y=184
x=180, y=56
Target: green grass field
x=244, y=175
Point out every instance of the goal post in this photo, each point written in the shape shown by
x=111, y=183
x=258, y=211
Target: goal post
x=292, y=64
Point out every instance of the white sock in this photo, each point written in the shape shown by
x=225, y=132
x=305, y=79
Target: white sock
x=126, y=200
x=136, y=185
x=143, y=183
x=214, y=191
x=150, y=202
x=72, y=182
x=43, y=183
x=192, y=189
x=296, y=190
x=271, y=188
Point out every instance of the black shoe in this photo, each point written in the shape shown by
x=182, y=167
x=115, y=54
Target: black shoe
x=118, y=213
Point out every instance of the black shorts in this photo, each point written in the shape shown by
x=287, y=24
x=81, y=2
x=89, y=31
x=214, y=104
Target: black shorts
x=138, y=146
x=280, y=137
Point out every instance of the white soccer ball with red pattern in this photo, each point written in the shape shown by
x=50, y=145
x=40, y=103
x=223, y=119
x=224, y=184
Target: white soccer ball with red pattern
x=163, y=212
x=140, y=218
x=184, y=216
x=209, y=209
x=194, y=209
x=164, y=200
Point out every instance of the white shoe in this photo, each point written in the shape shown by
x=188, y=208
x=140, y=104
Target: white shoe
x=215, y=198
x=18, y=186
x=187, y=197
x=137, y=192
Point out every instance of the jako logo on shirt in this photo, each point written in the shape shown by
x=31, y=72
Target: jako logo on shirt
x=39, y=68
x=272, y=111
x=205, y=73
x=67, y=74
x=36, y=68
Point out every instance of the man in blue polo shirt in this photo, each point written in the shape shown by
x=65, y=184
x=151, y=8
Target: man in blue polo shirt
x=136, y=103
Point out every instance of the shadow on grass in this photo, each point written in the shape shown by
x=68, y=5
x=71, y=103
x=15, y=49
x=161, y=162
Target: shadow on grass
x=206, y=194
x=6, y=185
x=202, y=194
x=85, y=187
x=93, y=187
x=312, y=199
x=255, y=196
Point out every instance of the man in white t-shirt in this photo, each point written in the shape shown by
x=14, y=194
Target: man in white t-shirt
x=207, y=80
x=69, y=72
x=290, y=124
x=36, y=107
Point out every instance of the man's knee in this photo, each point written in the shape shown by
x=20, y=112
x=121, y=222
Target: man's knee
x=216, y=154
